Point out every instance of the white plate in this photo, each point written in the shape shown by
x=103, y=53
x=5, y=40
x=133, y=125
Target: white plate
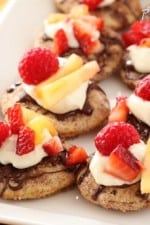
x=19, y=26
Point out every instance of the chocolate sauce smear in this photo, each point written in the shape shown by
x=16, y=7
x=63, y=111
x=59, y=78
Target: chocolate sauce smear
x=15, y=179
x=143, y=129
x=13, y=87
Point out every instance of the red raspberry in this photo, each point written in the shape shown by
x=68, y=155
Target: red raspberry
x=60, y=43
x=15, y=118
x=4, y=131
x=92, y=4
x=25, y=141
x=142, y=88
x=114, y=134
x=37, y=65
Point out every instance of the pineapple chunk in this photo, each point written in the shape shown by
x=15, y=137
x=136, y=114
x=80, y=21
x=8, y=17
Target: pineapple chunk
x=52, y=93
x=79, y=11
x=39, y=124
x=73, y=63
x=56, y=17
x=28, y=114
x=145, y=178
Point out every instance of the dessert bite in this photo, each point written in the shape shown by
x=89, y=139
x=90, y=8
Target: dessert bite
x=117, y=14
x=137, y=54
x=61, y=90
x=34, y=163
x=83, y=34
x=135, y=109
x=112, y=177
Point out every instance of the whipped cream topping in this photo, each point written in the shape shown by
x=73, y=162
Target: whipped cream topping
x=67, y=26
x=75, y=100
x=99, y=162
x=8, y=153
x=140, y=58
x=140, y=108
x=106, y=3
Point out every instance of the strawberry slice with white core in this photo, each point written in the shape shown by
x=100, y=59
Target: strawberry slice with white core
x=53, y=146
x=123, y=164
x=76, y=155
x=87, y=36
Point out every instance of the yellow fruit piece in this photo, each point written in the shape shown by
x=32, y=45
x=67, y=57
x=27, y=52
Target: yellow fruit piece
x=52, y=93
x=28, y=114
x=73, y=63
x=145, y=178
x=79, y=11
x=56, y=17
x=39, y=124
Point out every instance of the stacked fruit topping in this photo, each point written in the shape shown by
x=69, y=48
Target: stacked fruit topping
x=78, y=29
x=114, y=141
x=33, y=132
x=139, y=34
x=120, y=111
x=29, y=127
x=53, y=83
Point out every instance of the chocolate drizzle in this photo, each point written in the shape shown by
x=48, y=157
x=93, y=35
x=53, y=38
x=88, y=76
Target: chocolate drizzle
x=15, y=179
x=45, y=37
x=13, y=87
x=98, y=191
x=143, y=129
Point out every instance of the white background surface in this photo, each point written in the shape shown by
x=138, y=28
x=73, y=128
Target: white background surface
x=17, y=33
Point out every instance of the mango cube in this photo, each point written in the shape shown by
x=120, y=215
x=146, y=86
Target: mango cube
x=145, y=178
x=39, y=124
x=52, y=93
x=56, y=17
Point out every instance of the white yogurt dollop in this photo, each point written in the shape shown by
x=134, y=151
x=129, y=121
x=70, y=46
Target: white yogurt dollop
x=8, y=153
x=140, y=57
x=67, y=26
x=99, y=162
x=140, y=108
x=75, y=100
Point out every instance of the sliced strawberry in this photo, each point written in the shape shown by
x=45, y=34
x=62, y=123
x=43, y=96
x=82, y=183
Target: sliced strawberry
x=53, y=146
x=122, y=164
x=60, y=43
x=76, y=155
x=142, y=88
x=25, y=141
x=4, y=131
x=15, y=118
x=82, y=31
x=120, y=112
x=92, y=4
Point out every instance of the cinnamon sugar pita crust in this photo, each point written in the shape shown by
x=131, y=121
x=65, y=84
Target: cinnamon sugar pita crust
x=125, y=198
x=73, y=125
